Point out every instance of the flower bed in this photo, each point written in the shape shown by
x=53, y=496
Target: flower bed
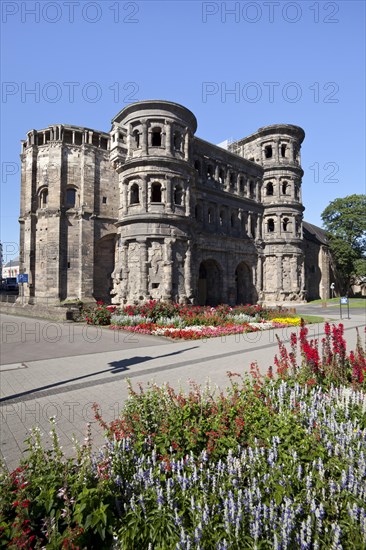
x=189, y=322
x=271, y=463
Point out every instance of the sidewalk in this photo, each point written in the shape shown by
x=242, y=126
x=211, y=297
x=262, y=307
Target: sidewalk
x=66, y=387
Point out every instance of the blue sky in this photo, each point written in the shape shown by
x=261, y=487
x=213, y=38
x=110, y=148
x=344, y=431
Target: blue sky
x=284, y=62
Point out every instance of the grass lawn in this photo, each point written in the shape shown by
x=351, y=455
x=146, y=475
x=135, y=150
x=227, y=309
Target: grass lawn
x=353, y=302
x=313, y=318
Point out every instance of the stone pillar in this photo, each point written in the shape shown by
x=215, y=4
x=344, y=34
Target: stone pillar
x=217, y=171
x=186, y=146
x=124, y=198
x=188, y=201
x=144, y=193
x=144, y=275
x=260, y=226
x=249, y=224
x=258, y=196
x=259, y=274
x=168, y=196
x=279, y=273
x=188, y=271
x=124, y=269
x=144, y=138
x=129, y=141
x=168, y=269
x=238, y=178
x=168, y=137
x=294, y=226
x=302, y=275
x=227, y=180
x=277, y=150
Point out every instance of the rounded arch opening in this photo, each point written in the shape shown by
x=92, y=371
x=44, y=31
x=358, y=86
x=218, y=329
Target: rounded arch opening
x=209, y=283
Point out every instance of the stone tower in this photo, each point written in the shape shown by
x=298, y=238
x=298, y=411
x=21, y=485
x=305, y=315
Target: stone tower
x=277, y=149
x=151, y=151
x=68, y=209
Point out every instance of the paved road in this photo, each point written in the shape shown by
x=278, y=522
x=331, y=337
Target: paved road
x=54, y=369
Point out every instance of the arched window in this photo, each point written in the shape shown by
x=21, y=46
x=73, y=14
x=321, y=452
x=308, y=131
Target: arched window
x=283, y=150
x=222, y=218
x=251, y=189
x=156, y=137
x=296, y=192
x=177, y=141
x=268, y=151
x=232, y=179
x=135, y=194
x=284, y=188
x=221, y=176
x=209, y=172
x=270, y=225
x=70, y=197
x=197, y=166
x=43, y=198
x=285, y=224
x=156, y=192
x=269, y=189
x=210, y=215
x=136, y=136
x=241, y=185
x=178, y=195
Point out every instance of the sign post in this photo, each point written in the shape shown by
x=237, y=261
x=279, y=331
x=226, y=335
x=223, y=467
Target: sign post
x=344, y=301
x=21, y=279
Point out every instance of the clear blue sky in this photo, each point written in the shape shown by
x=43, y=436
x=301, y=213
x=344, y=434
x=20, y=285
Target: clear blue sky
x=287, y=62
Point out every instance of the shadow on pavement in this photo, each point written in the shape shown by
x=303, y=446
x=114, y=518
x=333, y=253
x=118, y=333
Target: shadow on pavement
x=117, y=367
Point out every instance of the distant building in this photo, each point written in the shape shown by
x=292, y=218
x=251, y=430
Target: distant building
x=150, y=211
x=11, y=268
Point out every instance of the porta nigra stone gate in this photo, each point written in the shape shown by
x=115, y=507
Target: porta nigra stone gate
x=150, y=211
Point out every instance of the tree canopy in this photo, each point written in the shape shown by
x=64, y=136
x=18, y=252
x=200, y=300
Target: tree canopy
x=345, y=221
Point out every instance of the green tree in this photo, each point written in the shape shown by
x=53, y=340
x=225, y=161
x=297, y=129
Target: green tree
x=345, y=221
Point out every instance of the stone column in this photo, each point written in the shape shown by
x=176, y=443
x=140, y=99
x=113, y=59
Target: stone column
x=125, y=270
x=144, y=193
x=124, y=198
x=129, y=141
x=168, y=137
x=168, y=269
x=279, y=273
x=302, y=275
x=258, y=196
x=144, y=138
x=238, y=177
x=227, y=180
x=144, y=276
x=260, y=226
x=169, y=197
x=294, y=221
x=217, y=170
x=188, y=271
x=188, y=201
x=249, y=224
x=277, y=150
x=259, y=274
x=186, y=146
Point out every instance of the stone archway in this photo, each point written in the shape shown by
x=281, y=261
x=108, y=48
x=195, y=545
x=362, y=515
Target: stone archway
x=209, y=283
x=104, y=252
x=245, y=290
